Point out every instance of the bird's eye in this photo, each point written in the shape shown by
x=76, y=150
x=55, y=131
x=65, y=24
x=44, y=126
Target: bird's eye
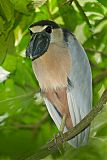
x=48, y=29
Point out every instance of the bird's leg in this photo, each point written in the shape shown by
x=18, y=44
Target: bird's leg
x=62, y=126
x=63, y=123
x=55, y=141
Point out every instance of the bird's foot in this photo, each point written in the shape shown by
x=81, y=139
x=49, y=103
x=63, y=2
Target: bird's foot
x=60, y=134
x=62, y=126
x=56, y=144
x=62, y=139
x=59, y=147
x=55, y=139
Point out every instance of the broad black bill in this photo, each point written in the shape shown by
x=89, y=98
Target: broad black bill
x=38, y=45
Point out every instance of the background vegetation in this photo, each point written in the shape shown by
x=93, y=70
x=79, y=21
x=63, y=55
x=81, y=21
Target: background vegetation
x=24, y=121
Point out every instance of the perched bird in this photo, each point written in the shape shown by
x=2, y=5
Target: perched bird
x=63, y=71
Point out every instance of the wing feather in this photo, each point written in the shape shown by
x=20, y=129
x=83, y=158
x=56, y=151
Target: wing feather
x=80, y=95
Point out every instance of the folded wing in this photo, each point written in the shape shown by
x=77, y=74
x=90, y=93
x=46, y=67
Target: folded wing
x=79, y=90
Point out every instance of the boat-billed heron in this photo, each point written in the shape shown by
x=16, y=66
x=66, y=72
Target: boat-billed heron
x=63, y=71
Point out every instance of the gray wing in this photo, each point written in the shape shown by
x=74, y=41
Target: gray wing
x=79, y=91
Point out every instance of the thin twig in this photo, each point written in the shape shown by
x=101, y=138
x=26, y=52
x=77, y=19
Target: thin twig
x=17, y=97
x=68, y=2
x=81, y=11
x=33, y=126
x=20, y=97
x=51, y=147
x=94, y=65
x=96, y=51
x=100, y=77
x=83, y=14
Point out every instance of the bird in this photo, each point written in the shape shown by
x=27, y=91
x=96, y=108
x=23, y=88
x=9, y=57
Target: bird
x=63, y=71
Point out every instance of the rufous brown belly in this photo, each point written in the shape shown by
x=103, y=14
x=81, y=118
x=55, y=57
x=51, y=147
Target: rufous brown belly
x=58, y=98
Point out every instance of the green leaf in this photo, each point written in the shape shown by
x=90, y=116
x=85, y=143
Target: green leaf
x=21, y=6
x=7, y=9
x=23, y=43
x=10, y=41
x=3, y=49
x=103, y=2
x=6, y=46
x=2, y=22
x=10, y=63
x=88, y=7
x=67, y=13
x=27, y=76
x=38, y=3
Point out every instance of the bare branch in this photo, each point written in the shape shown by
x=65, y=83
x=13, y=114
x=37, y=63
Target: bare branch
x=50, y=147
x=18, y=97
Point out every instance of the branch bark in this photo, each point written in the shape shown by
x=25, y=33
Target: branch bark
x=51, y=147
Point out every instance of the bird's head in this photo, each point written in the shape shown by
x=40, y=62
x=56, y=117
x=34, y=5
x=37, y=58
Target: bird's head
x=43, y=33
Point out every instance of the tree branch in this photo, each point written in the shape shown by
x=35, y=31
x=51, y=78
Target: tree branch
x=51, y=147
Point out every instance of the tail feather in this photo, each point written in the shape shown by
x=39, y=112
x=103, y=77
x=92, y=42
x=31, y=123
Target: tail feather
x=76, y=116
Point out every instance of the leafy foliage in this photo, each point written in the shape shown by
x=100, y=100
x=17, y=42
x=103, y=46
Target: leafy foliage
x=24, y=123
